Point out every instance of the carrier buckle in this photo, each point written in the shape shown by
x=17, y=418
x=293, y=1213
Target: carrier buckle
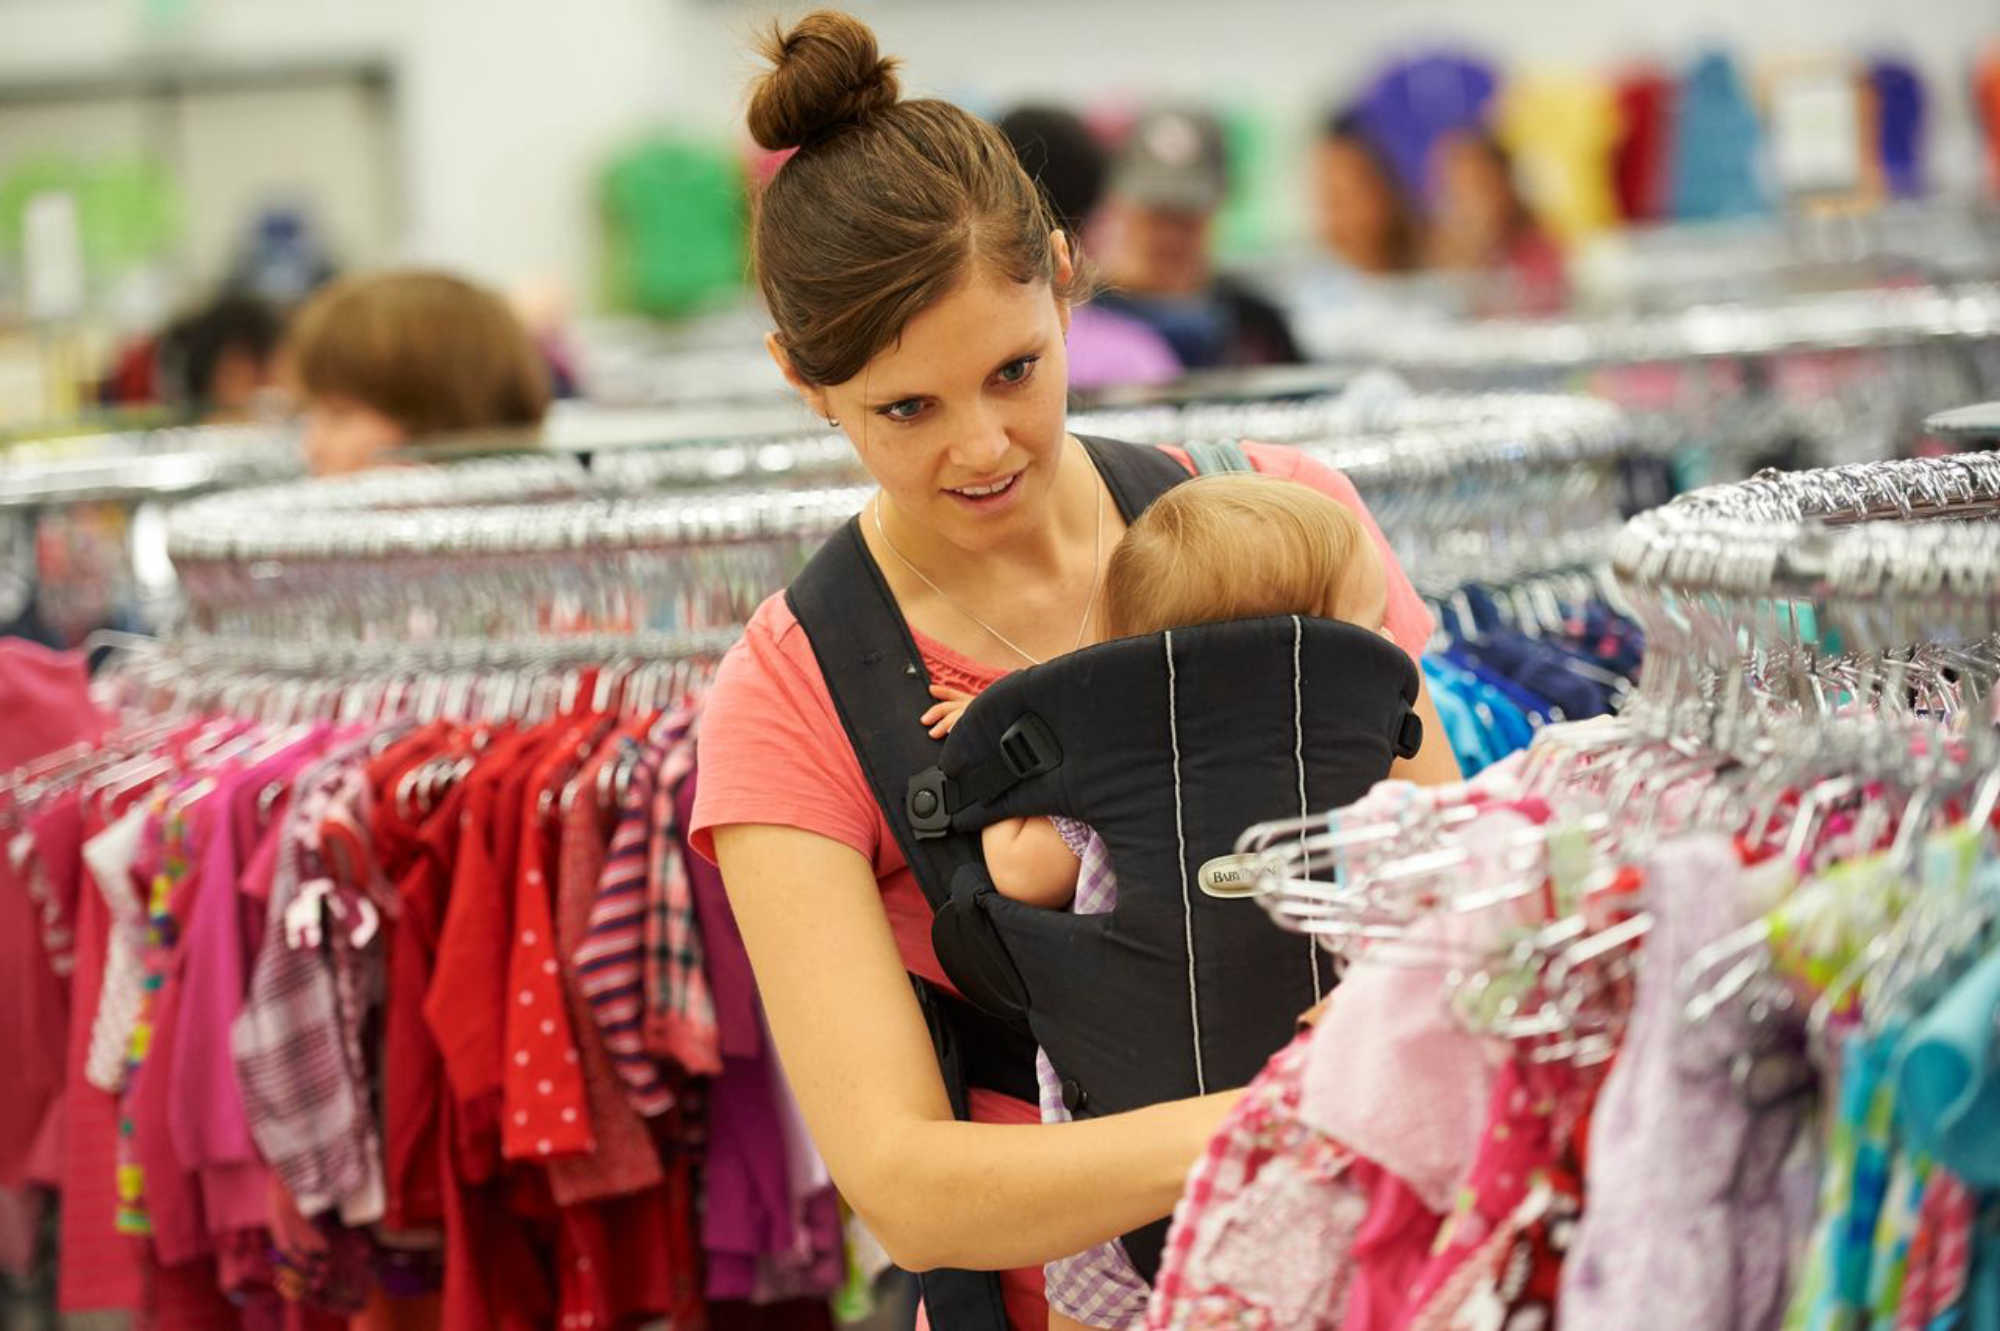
x=1029, y=747
x=1410, y=737
x=925, y=804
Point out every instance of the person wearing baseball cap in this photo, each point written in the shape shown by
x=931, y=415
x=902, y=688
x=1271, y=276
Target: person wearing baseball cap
x=1169, y=180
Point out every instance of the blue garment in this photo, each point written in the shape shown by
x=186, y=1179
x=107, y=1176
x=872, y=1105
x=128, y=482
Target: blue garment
x=1537, y=667
x=1899, y=119
x=1716, y=142
x=1468, y=739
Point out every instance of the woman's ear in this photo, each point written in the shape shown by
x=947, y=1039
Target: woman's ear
x=1065, y=273
x=811, y=394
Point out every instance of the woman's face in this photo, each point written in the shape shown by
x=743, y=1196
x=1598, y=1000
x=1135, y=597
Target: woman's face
x=960, y=420
x=1355, y=210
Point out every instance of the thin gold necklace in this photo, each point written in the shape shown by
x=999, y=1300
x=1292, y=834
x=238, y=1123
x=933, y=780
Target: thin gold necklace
x=1097, y=573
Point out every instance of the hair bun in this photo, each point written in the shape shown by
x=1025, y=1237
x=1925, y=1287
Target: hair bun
x=826, y=72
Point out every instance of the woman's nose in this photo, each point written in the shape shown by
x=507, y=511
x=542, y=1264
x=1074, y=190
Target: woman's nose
x=981, y=444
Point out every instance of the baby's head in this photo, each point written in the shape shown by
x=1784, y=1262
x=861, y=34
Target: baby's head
x=1242, y=546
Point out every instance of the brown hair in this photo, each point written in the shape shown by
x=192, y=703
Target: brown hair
x=884, y=206
x=432, y=352
x=1237, y=546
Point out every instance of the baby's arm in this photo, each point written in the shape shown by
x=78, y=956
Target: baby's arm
x=1030, y=863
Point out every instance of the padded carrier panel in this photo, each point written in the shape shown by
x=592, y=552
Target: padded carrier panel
x=1169, y=747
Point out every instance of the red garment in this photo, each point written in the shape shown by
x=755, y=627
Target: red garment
x=34, y=1032
x=495, y=1275
x=1640, y=161
x=412, y=1069
x=99, y=1266
x=625, y=1160
x=543, y=1098
x=633, y=1259
x=465, y=1006
x=189, y=1297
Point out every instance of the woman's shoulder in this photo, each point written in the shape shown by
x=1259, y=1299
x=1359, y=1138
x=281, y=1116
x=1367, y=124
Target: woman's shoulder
x=773, y=654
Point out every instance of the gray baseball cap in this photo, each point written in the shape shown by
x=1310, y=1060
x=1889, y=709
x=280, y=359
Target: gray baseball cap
x=1173, y=159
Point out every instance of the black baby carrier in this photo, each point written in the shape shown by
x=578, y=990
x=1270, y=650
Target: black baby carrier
x=1168, y=746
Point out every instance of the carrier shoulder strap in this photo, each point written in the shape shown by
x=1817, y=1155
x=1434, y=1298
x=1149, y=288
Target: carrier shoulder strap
x=880, y=687
x=876, y=674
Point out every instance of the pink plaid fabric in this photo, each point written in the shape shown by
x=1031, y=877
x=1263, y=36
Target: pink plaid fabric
x=1098, y=1287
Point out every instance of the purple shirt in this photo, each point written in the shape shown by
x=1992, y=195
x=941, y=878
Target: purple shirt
x=1107, y=348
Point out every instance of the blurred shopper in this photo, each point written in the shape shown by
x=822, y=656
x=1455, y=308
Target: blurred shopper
x=218, y=364
x=1061, y=155
x=1479, y=226
x=1360, y=213
x=1167, y=183
x=382, y=359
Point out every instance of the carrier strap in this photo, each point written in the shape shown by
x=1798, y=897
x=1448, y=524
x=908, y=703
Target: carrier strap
x=880, y=687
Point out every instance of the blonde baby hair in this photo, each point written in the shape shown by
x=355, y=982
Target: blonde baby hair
x=1242, y=546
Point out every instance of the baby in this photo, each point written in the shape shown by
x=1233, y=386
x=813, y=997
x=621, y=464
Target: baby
x=1230, y=546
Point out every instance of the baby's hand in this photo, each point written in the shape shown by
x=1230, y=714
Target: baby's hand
x=951, y=705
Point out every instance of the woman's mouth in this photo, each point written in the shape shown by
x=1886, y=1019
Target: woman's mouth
x=987, y=495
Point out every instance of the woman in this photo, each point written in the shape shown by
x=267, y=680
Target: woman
x=1360, y=213
x=1480, y=226
x=921, y=297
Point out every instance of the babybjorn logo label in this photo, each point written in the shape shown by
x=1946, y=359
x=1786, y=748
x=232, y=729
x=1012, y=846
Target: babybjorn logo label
x=1229, y=876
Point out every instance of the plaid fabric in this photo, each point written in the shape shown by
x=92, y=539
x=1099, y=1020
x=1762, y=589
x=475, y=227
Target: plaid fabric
x=1098, y=1287
x=680, y=1010
x=295, y=1056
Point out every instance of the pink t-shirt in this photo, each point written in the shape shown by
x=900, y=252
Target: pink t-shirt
x=773, y=752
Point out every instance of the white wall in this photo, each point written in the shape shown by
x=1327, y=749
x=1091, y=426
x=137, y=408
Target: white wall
x=510, y=105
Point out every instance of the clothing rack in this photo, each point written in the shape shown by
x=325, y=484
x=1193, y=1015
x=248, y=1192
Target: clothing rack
x=1830, y=321
x=1765, y=603
x=478, y=548
x=137, y=466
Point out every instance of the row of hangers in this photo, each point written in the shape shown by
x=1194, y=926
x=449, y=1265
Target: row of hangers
x=1819, y=682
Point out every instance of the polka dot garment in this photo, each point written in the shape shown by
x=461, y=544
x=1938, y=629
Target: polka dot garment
x=543, y=1106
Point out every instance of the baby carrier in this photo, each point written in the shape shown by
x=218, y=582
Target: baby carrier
x=1168, y=746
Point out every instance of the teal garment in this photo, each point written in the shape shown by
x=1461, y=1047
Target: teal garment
x=1833, y=1295
x=1461, y=728
x=1947, y=1083
x=1981, y=1306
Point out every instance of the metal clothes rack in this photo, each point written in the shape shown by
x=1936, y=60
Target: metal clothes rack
x=82, y=528
x=424, y=553
x=1808, y=631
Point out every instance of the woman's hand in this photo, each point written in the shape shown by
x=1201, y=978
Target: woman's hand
x=937, y=1192
x=951, y=705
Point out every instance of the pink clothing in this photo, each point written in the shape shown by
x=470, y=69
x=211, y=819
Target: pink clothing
x=45, y=696
x=205, y=1110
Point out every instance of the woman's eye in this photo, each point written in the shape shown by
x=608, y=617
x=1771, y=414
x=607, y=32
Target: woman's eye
x=906, y=410
x=1015, y=372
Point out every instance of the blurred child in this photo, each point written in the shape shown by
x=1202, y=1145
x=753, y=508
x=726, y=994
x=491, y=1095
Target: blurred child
x=387, y=358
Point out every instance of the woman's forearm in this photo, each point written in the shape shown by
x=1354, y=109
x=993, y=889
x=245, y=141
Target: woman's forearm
x=986, y=1196
x=936, y=1191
